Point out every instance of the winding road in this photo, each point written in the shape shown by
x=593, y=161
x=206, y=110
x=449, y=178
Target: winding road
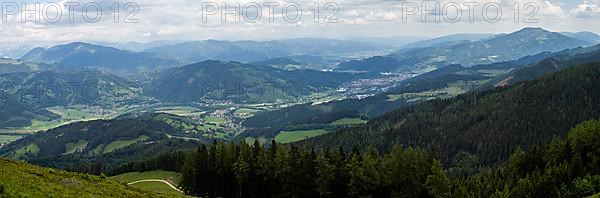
x=156, y=180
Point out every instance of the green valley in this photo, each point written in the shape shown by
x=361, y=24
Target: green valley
x=159, y=110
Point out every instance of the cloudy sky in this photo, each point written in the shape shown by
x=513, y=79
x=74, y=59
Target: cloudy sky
x=346, y=19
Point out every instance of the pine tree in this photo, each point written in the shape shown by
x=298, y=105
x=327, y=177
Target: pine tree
x=438, y=183
x=356, y=185
x=325, y=175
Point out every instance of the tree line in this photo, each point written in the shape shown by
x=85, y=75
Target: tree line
x=252, y=170
x=566, y=167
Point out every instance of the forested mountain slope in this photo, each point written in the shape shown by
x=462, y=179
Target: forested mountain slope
x=79, y=55
x=444, y=82
x=104, y=143
x=51, y=88
x=488, y=124
x=566, y=167
x=24, y=96
x=239, y=82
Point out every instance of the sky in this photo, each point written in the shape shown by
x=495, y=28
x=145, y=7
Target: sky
x=145, y=21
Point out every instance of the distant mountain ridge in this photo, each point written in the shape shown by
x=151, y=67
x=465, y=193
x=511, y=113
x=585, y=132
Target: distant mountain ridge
x=447, y=40
x=79, y=55
x=253, y=51
x=584, y=36
x=281, y=63
x=527, y=41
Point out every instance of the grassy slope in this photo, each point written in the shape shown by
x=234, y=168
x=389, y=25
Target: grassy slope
x=25, y=180
x=348, y=121
x=155, y=187
x=123, y=143
x=172, y=177
x=214, y=120
x=294, y=136
x=9, y=138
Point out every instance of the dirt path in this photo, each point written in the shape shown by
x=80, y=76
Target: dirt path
x=156, y=180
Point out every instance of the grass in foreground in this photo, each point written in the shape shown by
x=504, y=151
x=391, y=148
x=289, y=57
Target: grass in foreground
x=20, y=179
x=294, y=136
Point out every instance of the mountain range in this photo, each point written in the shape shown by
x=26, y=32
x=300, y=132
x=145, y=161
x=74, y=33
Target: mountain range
x=584, y=36
x=528, y=41
x=217, y=80
x=79, y=55
x=253, y=51
x=446, y=40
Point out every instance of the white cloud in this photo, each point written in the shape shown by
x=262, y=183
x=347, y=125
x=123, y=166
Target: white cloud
x=182, y=20
x=587, y=9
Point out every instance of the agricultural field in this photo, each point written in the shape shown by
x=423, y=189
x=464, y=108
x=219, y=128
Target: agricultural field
x=453, y=89
x=491, y=72
x=4, y=139
x=83, y=113
x=445, y=92
x=294, y=136
x=209, y=126
x=68, y=115
x=348, y=121
x=214, y=120
x=122, y=144
x=118, y=144
x=75, y=146
x=244, y=112
x=29, y=149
